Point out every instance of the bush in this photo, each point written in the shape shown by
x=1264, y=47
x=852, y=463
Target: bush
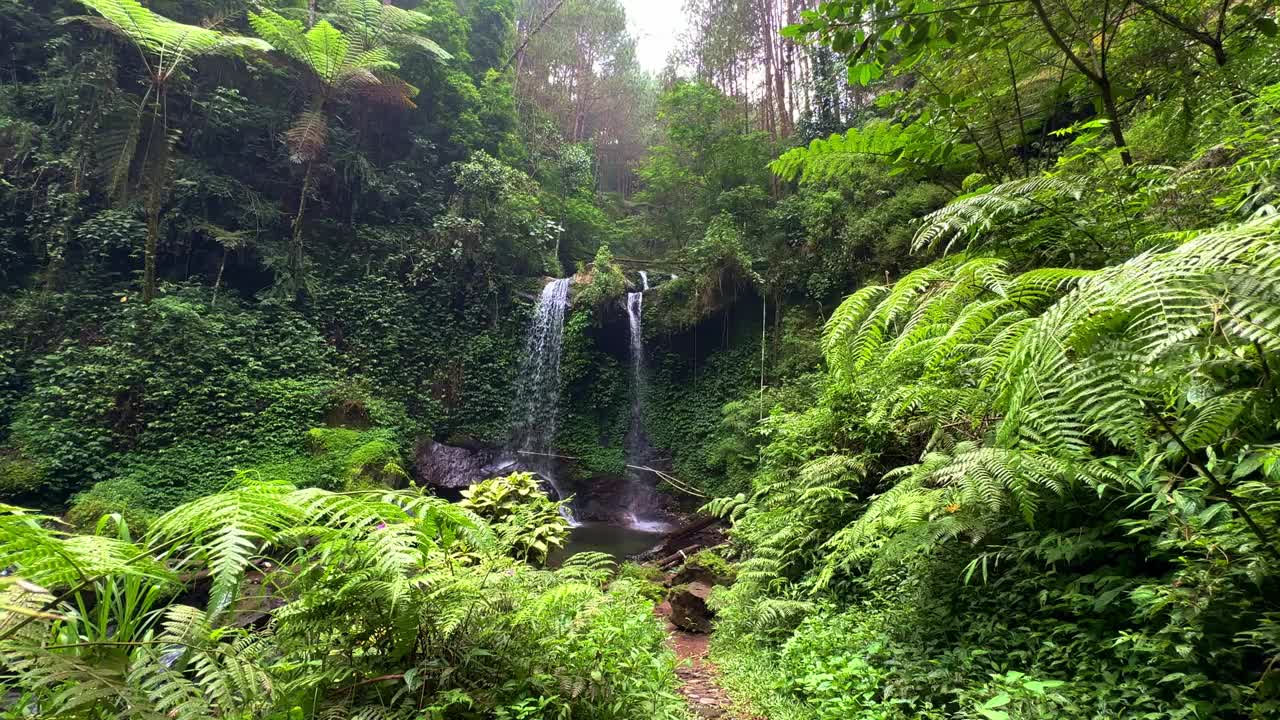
x=125, y=497
x=604, y=283
x=530, y=524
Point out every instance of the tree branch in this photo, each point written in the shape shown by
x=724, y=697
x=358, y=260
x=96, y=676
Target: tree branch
x=1218, y=488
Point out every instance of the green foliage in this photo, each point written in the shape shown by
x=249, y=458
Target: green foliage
x=917, y=148
x=495, y=215
x=126, y=497
x=595, y=407
x=684, y=411
x=19, y=476
x=992, y=448
x=647, y=580
x=375, y=610
x=712, y=563
x=527, y=522
x=605, y=284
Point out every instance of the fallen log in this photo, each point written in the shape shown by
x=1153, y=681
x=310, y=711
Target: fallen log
x=678, y=557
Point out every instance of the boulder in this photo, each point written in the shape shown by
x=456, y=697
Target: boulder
x=696, y=570
x=451, y=467
x=689, y=609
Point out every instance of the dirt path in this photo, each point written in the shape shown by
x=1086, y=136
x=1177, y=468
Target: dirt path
x=699, y=683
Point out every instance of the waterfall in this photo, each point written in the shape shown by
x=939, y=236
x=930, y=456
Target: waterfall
x=641, y=498
x=635, y=312
x=537, y=391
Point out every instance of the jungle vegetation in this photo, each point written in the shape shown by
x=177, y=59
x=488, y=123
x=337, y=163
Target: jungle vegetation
x=965, y=318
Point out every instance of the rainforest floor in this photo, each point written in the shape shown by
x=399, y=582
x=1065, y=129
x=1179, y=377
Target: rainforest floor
x=699, y=677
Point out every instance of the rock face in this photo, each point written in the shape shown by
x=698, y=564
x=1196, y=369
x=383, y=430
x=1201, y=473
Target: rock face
x=689, y=609
x=450, y=467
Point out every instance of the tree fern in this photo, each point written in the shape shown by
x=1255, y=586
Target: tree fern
x=143, y=137
x=964, y=218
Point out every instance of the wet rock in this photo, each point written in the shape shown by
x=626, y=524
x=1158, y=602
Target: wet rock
x=451, y=467
x=689, y=609
x=612, y=499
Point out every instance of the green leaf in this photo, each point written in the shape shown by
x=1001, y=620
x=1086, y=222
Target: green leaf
x=998, y=701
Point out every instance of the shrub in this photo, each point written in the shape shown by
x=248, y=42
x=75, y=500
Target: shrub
x=529, y=523
x=125, y=497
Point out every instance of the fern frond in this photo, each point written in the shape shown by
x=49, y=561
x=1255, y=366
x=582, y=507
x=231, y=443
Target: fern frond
x=971, y=214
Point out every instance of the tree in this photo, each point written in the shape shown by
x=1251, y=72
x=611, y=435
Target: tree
x=1209, y=22
x=336, y=67
x=143, y=147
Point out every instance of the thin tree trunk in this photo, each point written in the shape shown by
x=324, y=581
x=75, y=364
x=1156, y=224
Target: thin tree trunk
x=1113, y=113
x=154, y=199
x=149, y=253
x=1024, y=150
x=217, y=282
x=296, y=246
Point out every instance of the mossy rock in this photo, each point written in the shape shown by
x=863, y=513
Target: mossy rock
x=706, y=567
x=689, y=609
x=646, y=577
x=19, y=476
x=124, y=497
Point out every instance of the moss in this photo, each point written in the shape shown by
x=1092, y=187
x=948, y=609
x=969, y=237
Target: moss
x=19, y=476
x=713, y=563
x=595, y=402
x=127, y=498
x=647, y=578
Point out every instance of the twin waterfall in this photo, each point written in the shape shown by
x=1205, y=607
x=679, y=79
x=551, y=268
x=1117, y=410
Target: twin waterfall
x=537, y=400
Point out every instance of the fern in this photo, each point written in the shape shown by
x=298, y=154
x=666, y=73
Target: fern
x=588, y=567
x=967, y=216
x=55, y=559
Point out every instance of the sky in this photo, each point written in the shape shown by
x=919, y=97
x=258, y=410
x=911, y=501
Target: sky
x=655, y=24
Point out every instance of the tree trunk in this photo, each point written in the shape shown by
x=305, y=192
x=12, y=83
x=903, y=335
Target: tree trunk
x=155, y=165
x=1098, y=77
x=296, y=245
x=149, y=252
x=1113, y=113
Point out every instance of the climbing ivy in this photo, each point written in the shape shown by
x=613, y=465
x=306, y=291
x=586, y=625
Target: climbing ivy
x=594, y=402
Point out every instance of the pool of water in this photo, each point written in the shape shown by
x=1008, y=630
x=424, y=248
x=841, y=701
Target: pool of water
x=616, y=540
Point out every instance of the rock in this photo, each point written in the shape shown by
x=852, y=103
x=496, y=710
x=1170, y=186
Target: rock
x=689, y=609
x=450, y=467
x=704, y=567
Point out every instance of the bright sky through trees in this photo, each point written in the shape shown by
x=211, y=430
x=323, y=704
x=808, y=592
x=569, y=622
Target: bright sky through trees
x=656, y=24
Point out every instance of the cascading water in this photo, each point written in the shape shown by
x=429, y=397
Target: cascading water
x=537, y=397
x=641, y=499
x=635, y=312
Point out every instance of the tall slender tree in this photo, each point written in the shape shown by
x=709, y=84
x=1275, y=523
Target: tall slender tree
x=139, y=153
x=335, y=66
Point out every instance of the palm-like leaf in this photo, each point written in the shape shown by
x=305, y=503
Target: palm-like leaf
x=166, y=45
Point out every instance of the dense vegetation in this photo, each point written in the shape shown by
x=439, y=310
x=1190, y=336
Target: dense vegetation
x=967, y=315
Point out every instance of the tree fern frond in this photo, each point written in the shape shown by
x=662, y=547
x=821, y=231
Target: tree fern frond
x=968, y=215
x=1215, y=418
x=848, y=317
